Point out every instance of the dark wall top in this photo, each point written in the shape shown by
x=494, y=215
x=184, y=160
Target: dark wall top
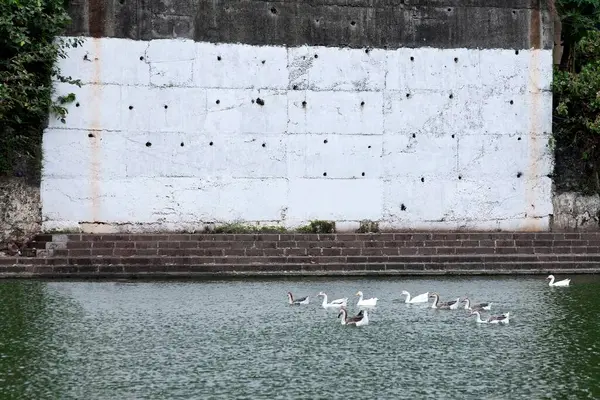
x=513, y=24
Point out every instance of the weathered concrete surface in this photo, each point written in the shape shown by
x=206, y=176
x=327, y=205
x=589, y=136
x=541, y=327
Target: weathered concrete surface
x=174, y=134
x=20, y=213
x=513, y=24
x=573, y=211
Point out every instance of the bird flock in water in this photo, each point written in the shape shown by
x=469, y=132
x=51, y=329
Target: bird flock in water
x=362, y=318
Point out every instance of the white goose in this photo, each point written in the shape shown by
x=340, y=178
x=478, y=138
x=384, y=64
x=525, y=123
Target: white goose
x=475, y=307
x=422, y=298
x=494, y=319
x=564, y=282
x=361, y=319
x=368, y=303
x=302, y=300
x=449, y=305
x=334, y=303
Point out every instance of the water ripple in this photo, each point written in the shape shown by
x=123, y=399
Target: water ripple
x=239, y=339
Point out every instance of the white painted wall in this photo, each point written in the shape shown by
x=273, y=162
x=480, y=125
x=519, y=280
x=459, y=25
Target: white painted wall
x=440, y=138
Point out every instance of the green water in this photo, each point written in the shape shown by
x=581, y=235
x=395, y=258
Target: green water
x=240, y=339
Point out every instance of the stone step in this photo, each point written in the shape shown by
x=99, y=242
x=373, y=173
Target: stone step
x=183, y=270
x=192, y=244
x=317, y=251
x=509, y=237
x=266, y=260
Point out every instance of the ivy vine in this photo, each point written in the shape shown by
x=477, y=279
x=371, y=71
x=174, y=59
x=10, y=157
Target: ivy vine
x=576, y=96
x=30, y=45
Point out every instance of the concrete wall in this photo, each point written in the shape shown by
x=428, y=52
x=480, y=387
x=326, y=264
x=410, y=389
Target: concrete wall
x=412, y=115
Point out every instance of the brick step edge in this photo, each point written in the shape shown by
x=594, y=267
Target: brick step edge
x=312, y=252
x=191, y=271
x=418, y=236
x=320, y=260
x=310, y=244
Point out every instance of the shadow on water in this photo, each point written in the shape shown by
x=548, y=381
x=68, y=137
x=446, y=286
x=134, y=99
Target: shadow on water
x=239, y=338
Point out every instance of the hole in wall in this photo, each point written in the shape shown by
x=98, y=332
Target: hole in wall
x=402, y=207
x=514, y=12
x=324, y=173
x=451, y=96
x=131, y=107
x=218, y=101
x=449, y=10
x=264, y=145
x=263, y=61
x=363, y=174
x=211, y=143
x=76, y=104
x=422, y=179
x=181, y=144
x=316, y=21
x=316, y=56
x=325, y=141
x=407, y=95
x=166, y=106
x=459, y=177
x=304, y=103
x=121, y=1
x=273, y=10
x=148, y=144
x=455, y=59
x=511, y=102
x=141, y=58
x=352, y=23
x=412, y=58
x=218, y=58
x=369, y=146
x=362, y=103
x=453, y=136
x=519, y=174
x=519, y=138
x=260, y=101
x=91, y=135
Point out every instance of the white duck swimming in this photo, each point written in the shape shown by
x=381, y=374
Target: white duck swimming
x=368, y=303
x=449, y=305
x=564, y=282
x=361, y=319
x=494, y=319
x=475, y=307
x=301, y=300
x=422, y=298
x=334, y=303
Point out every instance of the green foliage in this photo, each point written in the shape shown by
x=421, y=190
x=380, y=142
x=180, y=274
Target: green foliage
x=368, y=226
x=318, y=226
x=242, y=228
x=30, y=49
x=576, y=94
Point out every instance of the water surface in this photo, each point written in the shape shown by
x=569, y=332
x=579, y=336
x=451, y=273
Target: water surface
x=240, y=339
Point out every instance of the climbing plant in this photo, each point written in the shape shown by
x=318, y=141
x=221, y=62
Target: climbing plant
x=30, y=48
x=576, y=95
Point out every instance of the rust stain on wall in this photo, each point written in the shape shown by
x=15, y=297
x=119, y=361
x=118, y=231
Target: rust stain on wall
x=96, y=18
x=96, y=107
x=535, y=115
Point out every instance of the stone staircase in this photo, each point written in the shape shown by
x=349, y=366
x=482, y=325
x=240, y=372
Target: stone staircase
x=131, y=255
